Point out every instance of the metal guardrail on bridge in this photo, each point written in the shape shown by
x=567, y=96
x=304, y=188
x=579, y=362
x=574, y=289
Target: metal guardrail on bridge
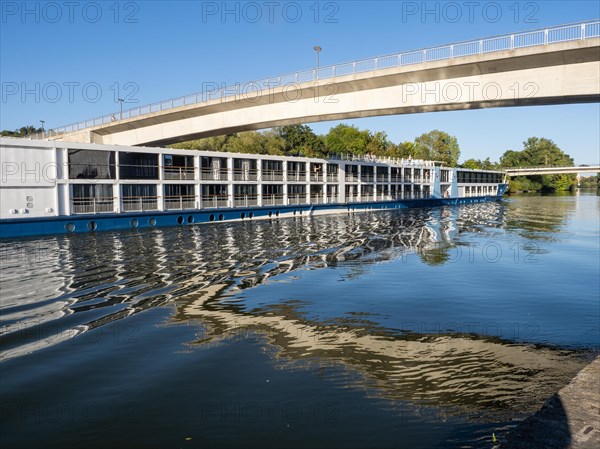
x=545, y=36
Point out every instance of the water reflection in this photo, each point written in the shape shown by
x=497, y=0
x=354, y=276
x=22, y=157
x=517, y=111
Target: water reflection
x=59, y=287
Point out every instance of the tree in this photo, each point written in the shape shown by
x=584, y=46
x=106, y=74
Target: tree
x=590, y=182
x=539, y=152
x=378, y=144
x=23, y=131
x=347, y=139
x=438, y=145
x=544, y=152
x=472, y=164
x=297, y=139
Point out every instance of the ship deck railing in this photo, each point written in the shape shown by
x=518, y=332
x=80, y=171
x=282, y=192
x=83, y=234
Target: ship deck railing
x=272, y=200
x=180, y=202
x=245, y=200
x=209, y=174
x=250, y=175
x=139, y=203
x=299, y=198
x=179, y=173
x=215, y=201
x=272, y=175
x=92, y=205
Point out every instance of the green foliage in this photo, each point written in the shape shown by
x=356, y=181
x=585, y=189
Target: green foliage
x=24, y=131
x=347, y=139
x=590, y=182
x=439, y=146
x=539, y=152
x=524, y=184
x=300, y=140
x=479, y=164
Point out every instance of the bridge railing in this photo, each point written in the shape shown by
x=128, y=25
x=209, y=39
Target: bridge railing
x=546, y=36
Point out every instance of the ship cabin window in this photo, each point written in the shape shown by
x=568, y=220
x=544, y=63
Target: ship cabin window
x=214, y=168
x=138, y=197
x=92, y=191
x=444, y=175
x=382, y=174
x=272, y=170
x=138, y=165
x=332, y=193
x=178, y=167
x=367, y=190
x=89, y=164
x=351, y=192
x=92, y=198
x=367, y=173
x=296, y=171
x=276, y=166
x=316, y=190
x=382, y=190
x=214, y=190
x=174, y=160
x=272, y=190
x=177, y=190
x=244, y=169
x=244, y=190
x=139, y=190
x=296, y=189
x=351, y=172
x=332, y=172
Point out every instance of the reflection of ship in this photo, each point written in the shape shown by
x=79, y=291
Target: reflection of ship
x=62, y=187
x=466, y=373
x=203, y=272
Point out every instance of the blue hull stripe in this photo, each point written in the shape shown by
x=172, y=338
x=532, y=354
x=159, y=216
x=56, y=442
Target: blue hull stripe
x=107, y=222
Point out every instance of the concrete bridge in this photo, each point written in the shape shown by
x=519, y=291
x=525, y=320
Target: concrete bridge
x=530, y=171
x=549, y=66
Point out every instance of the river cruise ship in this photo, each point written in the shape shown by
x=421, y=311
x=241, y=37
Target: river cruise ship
x=63, y=187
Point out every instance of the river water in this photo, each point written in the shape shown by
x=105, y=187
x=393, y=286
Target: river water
x=425, y=328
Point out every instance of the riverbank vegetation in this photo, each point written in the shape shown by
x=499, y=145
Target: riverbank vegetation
x=590, y=182
x=300, y=140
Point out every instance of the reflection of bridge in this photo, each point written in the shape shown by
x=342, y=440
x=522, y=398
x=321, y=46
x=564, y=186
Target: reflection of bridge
x=549, y=66
x=529, y=171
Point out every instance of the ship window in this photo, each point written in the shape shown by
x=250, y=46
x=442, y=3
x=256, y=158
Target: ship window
x=90, y=164
x=138, y=165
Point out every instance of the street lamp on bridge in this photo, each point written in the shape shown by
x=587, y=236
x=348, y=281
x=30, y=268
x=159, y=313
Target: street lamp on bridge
x=120, y=100
x=317, y=50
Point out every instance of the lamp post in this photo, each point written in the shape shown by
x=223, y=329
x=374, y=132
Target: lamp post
x=317, y=50
x=42, y=122
x=121, y=114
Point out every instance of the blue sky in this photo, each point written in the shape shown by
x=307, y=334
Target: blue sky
x=63, y=62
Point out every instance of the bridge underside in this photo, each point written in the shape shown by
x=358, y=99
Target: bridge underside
x=523, y=77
